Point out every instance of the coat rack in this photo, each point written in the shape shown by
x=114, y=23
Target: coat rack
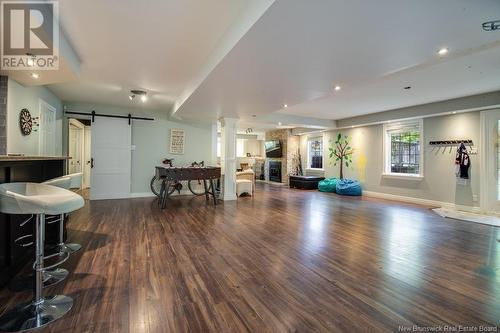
x=444, y=144
x=467, y=142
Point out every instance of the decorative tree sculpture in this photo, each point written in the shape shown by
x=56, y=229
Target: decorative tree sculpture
x=341, y=152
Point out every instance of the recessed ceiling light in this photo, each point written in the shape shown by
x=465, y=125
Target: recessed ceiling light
x=35, y=75
x=337, y=88
x=454, y=112
x=285, y=105
x=443, y=51
x=279, y=123
x=144, y=98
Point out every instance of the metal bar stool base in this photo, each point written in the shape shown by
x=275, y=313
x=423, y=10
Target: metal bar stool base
x=54, y=276
x=70, y=248
x=50, y=278
x=30, y=316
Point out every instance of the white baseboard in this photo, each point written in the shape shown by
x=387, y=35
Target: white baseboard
x=420, y=201
x=142, y=195
x=110, y=196
x=151, y=194
x=230, y=197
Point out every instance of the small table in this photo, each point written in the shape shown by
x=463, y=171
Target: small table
x=170, y=175
x=305, y=182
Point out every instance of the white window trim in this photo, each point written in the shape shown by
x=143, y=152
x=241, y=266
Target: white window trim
x=386, y=166
x=309, y=139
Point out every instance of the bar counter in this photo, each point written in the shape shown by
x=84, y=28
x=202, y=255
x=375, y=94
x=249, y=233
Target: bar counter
x=20, y=168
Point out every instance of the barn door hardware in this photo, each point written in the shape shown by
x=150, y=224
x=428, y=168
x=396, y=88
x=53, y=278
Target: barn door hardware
x=93, y=114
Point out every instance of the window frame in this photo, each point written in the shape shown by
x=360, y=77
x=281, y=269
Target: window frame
x=398, y=127
x=315, y=138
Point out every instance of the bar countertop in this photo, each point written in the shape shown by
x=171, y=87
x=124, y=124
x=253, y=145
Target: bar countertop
x=9, y=158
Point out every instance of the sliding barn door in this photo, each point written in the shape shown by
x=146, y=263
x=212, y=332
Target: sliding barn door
x=111, y=159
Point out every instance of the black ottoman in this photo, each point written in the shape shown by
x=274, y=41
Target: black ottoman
x=305, y=182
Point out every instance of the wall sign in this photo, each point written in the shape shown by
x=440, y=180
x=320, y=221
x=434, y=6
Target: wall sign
x=177, y=138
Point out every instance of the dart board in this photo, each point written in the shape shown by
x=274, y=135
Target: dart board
x=25, y=121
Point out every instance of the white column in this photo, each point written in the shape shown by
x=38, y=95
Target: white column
x=228, y=157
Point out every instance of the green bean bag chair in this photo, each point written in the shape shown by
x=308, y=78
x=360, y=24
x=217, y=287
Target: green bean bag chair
x=328, y=185
x=348, y=187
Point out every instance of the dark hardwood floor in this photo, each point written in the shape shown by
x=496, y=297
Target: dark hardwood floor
x=285, y=260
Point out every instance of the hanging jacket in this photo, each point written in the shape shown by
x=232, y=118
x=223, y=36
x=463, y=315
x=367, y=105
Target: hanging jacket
x=462, y=160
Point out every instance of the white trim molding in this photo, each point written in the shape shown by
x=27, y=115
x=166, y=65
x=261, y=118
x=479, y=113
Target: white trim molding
x=403, y=176
x=184, y=191
x=420, y=201
x=391, y=127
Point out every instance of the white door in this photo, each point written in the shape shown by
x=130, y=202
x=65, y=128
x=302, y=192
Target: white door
x=75, y=146
x=490, y=160
x=47, y=129
x=86, y=157
x=111, y=158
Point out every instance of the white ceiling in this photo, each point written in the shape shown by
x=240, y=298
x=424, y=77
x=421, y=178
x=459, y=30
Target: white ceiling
x=155, y=45
x=299, y=50
x=247, y=58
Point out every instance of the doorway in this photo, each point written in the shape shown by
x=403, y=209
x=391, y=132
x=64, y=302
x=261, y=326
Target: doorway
x=79, y=139
x=47, y=129
x=490, y=161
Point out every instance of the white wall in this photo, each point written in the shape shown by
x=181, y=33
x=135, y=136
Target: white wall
x=152, y=141
x=20, y=97
x=439, y=183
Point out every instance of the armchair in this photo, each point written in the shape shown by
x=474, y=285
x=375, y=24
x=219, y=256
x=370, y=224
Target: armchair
x=245, y=177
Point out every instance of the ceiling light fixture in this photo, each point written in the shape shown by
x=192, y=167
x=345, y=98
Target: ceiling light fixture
x=141, y=93
x=337, y=88
x=35, y=75
x=31, y=60
x=443, y=51
x=491, y=25
x=285, y=105
x=279, y=123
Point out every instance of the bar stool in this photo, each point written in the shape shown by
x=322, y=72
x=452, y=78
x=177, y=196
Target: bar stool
x=58, y=274
x=38, y=199
x=67, y=182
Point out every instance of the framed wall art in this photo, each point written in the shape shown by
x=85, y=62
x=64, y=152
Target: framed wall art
x=177, y=141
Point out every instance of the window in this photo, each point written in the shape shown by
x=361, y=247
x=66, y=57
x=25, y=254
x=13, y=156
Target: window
x=403, y=149
x=240, y=147
x=218, y=147
x=315, y=153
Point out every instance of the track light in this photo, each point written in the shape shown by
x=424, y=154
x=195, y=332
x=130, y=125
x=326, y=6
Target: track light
x=141, y=93
x=31, y=60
